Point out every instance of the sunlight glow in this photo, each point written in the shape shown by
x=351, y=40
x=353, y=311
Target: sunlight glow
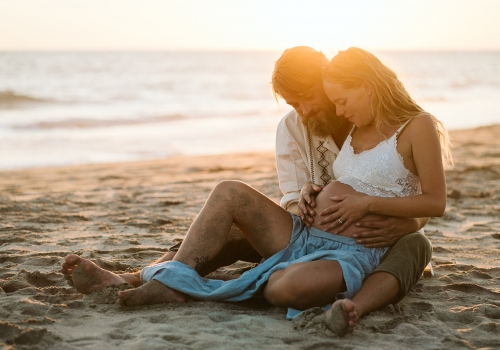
x=255, y=25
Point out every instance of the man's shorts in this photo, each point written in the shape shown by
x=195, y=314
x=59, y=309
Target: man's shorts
x=406, y=260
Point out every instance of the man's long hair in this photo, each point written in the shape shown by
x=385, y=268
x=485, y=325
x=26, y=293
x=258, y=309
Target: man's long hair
x=298, y=71
x=391, y=103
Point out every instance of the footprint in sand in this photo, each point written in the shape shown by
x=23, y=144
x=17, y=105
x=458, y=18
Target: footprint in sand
x=15, y=335
x=418, y=308
x=32, y=307
x=25, y=279
x=491, y=311
x=161, y=318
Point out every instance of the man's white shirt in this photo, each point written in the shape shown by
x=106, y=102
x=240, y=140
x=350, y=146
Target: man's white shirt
x=301, y=157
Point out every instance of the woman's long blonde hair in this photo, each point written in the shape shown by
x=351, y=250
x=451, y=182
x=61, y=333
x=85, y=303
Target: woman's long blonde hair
x=391, y=103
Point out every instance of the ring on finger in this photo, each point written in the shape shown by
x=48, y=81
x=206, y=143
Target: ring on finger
x=340, y=221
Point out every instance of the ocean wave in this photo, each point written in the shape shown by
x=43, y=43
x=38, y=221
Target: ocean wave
x=93, y=123
x=9, y=99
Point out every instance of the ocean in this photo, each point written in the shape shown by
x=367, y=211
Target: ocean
x=60, y=108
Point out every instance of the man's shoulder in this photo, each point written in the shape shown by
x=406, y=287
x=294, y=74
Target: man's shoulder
x=291, y=116
x=291, y=121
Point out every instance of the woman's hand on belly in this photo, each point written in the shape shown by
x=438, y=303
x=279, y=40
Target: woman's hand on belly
x=347, y=210
x=327, y=213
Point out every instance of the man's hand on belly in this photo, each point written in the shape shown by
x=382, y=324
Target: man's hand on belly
x=386, y=232
x=307, y=202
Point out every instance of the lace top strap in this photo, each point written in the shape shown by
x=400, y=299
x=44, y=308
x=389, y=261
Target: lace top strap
x=402, y=128
x=352, y=130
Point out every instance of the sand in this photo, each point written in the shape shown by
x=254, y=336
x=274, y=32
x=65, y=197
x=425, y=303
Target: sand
x=124, y=216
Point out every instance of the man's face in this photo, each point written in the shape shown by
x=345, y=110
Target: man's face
x=316, y=112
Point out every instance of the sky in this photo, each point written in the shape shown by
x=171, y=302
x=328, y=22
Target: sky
x=108, y=25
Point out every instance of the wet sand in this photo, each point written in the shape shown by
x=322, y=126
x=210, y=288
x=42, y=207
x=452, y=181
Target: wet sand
x=123, y=216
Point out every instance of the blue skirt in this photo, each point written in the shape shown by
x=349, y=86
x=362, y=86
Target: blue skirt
x=306, y=244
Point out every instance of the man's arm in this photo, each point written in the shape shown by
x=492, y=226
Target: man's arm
x=293, y=207
x=385, y=233
x=291, y=163
x=293, y=171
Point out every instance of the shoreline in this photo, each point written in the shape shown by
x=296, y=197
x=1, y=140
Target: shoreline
x=125, y=215
x=222, y=154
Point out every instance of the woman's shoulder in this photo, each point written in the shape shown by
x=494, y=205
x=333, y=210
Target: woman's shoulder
x=422, y=120
x=421, y=124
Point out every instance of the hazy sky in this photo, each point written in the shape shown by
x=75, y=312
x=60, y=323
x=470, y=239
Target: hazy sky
x=249, y=25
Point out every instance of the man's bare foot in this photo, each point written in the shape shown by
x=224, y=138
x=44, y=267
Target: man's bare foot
x=341, y=318
x=153, y=292
x=86, y=277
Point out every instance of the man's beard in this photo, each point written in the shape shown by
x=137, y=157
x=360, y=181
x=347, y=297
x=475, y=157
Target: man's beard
x=322, y=124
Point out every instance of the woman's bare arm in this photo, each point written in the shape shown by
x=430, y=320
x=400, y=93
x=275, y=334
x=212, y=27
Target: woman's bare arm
x=425, y=156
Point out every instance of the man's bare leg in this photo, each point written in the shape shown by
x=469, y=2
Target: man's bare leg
x=236, y=248
x=266, y=225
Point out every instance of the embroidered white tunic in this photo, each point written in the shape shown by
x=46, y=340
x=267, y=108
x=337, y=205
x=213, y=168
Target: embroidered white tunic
x=301, y=156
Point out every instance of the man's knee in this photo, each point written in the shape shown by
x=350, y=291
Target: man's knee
x=418, y=245
x=234, y=194
x=406, y=260
x=230, y=185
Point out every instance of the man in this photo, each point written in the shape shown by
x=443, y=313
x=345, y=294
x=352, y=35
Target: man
x=307, y=140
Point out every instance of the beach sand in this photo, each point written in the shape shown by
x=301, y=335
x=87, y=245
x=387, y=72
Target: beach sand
x=124, y=216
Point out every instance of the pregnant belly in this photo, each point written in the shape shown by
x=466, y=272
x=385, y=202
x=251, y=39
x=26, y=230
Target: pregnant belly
x=323, y=201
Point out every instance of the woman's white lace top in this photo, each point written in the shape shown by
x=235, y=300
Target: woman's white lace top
x=378, y=171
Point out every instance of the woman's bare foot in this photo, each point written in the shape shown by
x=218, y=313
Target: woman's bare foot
x=134, y=278
x=153, y=292
x=341, y=318
x=86, y=277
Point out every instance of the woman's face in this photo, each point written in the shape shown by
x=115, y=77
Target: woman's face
x=353, y=104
